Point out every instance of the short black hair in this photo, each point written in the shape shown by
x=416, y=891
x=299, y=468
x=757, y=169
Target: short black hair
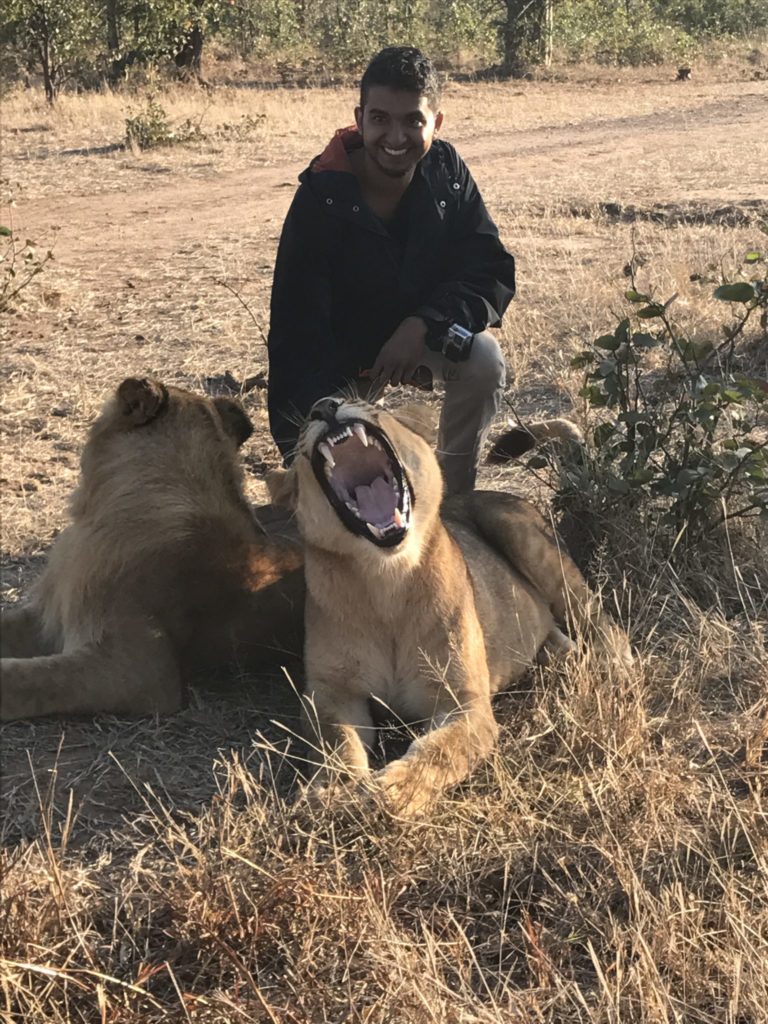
x=402, y=67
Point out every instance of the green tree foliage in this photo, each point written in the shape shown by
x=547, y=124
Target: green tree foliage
x=87, y=40
x=57, y=38
x=632, y=32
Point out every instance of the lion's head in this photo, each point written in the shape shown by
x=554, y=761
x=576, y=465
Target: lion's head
x=150, y=437
x=363, y=479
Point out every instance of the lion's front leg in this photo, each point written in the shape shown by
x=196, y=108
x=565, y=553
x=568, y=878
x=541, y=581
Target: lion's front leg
x=443, y=757
x=339, y=728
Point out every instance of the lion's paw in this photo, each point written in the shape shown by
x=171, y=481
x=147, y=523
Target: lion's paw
x=403, y=790
x=344, y=798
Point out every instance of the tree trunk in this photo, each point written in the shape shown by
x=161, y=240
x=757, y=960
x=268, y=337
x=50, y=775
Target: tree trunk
x=113, y=23
x=47, y=58
x=189, y=59
x=547, y=32
x=521, y=33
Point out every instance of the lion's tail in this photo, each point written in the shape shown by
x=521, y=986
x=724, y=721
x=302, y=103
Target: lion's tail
x=518, y=440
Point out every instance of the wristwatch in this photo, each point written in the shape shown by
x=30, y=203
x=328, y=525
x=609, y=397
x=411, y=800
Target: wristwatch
x=453, y=340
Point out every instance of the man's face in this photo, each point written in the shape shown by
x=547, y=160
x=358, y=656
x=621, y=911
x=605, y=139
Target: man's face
x=397, y=127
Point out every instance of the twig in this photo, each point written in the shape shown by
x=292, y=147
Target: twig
x=245, y=306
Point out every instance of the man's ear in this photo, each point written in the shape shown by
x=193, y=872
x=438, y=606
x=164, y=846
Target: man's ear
x=235, y=419
x=421, y=419
x=283, y=487
x=438, y=120
x=141, y=399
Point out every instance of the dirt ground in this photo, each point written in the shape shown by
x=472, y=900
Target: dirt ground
x=163, y=263
x=150, y=249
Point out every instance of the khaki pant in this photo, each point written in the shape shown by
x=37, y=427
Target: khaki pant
x=473, y=397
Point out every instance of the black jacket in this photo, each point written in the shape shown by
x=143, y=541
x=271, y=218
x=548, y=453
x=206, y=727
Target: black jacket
x=343, y=281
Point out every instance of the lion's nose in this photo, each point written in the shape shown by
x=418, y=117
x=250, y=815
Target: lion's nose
x=325, y=409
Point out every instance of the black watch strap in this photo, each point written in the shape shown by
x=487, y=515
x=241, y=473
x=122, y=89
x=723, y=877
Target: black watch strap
x=436, y=332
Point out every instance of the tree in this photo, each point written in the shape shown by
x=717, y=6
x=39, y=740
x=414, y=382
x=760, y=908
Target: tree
x=525, y=31
x=151, y=30
x=58, y=37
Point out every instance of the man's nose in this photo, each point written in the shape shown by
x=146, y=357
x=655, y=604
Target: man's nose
x=325, y=409
x=396, y=137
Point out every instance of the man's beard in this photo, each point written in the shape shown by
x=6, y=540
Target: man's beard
x=391, y=172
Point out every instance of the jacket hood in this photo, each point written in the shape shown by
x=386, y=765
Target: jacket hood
x=335, y=156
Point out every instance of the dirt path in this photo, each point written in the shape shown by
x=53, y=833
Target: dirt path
x=669, y=157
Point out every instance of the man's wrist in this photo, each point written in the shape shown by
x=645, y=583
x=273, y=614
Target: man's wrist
x=436, y=331
x=418, y=326
x=450, y=339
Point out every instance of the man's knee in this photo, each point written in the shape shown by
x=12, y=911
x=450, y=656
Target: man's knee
x=487, y=368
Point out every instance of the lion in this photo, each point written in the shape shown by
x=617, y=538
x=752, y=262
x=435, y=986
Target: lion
x=422, y=606
x=163, y=571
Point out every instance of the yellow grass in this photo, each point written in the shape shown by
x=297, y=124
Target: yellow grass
x=610, y=864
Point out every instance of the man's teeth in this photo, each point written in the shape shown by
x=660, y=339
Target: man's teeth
x=394, y=152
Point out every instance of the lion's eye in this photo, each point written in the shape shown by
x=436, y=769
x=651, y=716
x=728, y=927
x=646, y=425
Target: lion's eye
x=325, y=409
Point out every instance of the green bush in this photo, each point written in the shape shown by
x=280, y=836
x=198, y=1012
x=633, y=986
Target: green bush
x=20, y=263
x=149, y=128
x=676, y=442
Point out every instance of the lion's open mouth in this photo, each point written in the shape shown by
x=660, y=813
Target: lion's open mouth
x=364, y=481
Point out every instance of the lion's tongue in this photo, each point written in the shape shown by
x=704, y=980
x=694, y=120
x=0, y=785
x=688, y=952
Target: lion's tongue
x=376, y=504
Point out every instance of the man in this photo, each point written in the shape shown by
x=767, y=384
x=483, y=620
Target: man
x=388, y=262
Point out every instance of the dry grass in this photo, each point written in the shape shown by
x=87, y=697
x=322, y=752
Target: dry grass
x=611, y=863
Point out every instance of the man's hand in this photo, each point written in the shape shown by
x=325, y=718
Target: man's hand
x=401, y=355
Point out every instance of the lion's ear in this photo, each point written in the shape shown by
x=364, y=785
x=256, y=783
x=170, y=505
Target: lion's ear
x=283, y=487
x=235, y=419
x=421, y=419
x=140, y=399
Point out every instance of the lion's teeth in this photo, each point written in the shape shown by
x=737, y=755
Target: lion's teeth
x=360, y=433
x=398, y=518
x=375, y=531
x=325, y=451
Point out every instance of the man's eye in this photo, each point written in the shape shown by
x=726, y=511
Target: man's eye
x=417, y=122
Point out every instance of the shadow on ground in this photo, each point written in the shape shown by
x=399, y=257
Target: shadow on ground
x=114, y=768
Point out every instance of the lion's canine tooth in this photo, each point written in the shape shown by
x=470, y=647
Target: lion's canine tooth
x=360, y=433
x=398, y=518
x=325, y=451
x=374, y=530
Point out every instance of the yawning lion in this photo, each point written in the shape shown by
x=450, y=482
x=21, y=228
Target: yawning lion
x=424, y=610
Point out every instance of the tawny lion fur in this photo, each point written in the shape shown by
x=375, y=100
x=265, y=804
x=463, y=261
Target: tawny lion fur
x=164, y=569
x=432, y=628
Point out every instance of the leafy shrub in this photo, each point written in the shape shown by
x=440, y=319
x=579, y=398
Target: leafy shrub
x=238, y=131
x=149, y=128
x=19, y=264
x=612, y=33
x=678, y=441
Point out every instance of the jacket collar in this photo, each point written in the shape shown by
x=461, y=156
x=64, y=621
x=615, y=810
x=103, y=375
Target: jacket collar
x=331, y=178
x=335, y=156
